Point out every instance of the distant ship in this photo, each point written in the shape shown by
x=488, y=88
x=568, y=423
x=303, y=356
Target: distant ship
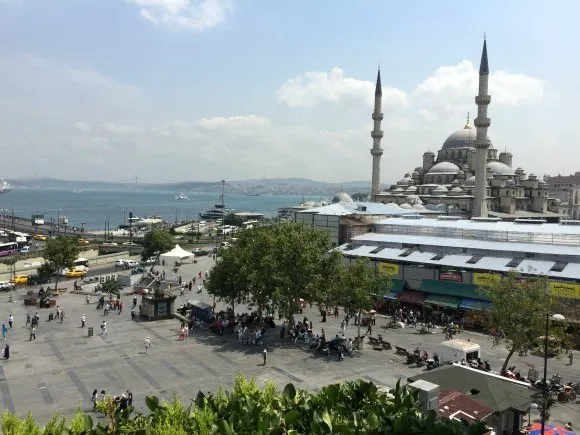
x=251, y=194
x=4, y=186
x=217, y=212
x=181, y=197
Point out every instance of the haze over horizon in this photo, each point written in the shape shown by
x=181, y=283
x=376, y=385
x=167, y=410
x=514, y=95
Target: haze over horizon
x=177, y=90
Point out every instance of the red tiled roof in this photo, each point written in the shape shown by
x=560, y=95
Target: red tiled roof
x=564, y=179
x=454, y=404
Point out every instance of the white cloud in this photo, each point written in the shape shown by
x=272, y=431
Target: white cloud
x=120, y=129
x=452, y=88
x=81, y=126
x=194, y=15
x=235, y=122
x=313, y=88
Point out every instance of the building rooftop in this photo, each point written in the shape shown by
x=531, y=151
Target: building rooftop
x=453, y=404
x=346, y=208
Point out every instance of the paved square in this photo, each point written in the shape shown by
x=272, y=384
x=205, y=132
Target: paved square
x=59, y=370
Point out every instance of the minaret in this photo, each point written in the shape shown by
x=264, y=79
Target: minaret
x=377, y=135
x=481, y=141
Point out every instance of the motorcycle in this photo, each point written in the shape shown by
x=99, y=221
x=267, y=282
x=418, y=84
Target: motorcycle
x=566, y=394
x=433, y=363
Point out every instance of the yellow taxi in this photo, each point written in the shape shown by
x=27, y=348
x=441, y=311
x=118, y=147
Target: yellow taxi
x=19, y=279
x=40, y=237
x=76, y=274
x=83, y=242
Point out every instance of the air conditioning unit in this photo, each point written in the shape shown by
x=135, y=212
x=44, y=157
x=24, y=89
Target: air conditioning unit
x=428, y=395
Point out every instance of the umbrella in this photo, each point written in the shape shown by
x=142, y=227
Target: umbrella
x=551, y=429
x=372, y=312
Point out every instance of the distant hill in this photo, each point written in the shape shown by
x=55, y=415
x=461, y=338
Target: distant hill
x=268, y=186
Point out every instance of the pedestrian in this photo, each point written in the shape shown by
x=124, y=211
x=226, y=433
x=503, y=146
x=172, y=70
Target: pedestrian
x=147, y=344
x=571, y=357
x=265, y=356
x=32, y=333
x=10, y=321
x=94, y=398
x=103, y=395
x=57, y=311
x=4, y=331
x=83, y=319
x=61, y=316
x=104, y=328
x=6, y=352
x=28, y=319
x=106, y=310
x=370, y=329
x=120, y=307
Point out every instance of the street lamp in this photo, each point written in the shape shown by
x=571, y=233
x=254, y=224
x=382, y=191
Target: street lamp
x=124, y=220
x=555, y=318
x=58, y=222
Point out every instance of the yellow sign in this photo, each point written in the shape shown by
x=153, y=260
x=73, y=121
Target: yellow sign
x=390, y=269
x=484, y=279
x=565, y=289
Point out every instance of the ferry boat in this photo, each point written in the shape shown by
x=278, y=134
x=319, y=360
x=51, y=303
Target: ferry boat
x=4, y=186
x=217, y=212
x=181, y=197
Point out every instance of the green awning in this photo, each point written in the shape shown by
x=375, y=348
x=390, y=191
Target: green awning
x=443, y=301
x=398, y=285
x=449, y=288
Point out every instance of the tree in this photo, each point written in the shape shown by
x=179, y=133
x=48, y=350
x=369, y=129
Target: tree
x=155, y=242
x=519, y=309
x=360, y=196
x=232, y=219
x=46, y=270
x=349, y=408
x=60, y=253
x=360, y=286
x=228, y=279
x=111, y=287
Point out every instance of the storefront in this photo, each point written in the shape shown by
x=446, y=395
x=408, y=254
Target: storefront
x=443, y=301
x=474, y=305
x=412, y=297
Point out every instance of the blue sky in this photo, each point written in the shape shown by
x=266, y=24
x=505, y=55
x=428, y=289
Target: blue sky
x=184, y=89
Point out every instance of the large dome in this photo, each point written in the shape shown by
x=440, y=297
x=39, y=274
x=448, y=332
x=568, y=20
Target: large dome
x=499, y=168
x=341, y=197
x=464, y=138
x=444, y=168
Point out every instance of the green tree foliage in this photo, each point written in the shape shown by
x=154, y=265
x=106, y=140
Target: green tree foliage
x=355, y=407
x=60, y=253
x=232, y=219
x=519, y=309
x=360, y=286
x=360, y=196
x=156, y=241
x=111, y=287
x=45, y=270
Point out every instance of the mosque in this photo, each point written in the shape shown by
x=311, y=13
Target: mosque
x=450, y=181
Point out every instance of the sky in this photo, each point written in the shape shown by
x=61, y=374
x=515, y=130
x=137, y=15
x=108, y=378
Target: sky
x=179, y=90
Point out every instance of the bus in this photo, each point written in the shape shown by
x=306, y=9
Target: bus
x=78, y=264
x=7, y=249
x=38, y=219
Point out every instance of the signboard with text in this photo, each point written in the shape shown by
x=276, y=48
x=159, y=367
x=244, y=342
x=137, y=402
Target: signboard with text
x=568, y=290
x=486, y=279
x=390, y=269
x=450, y=276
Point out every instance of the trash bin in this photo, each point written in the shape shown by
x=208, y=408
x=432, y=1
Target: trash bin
x=90, y=331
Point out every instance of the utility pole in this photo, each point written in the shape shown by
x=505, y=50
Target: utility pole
x=131, y=227
x=223, y=209
x=13, y=226
x=58, y=223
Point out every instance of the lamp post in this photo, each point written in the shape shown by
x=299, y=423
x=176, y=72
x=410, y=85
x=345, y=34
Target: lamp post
x=58, y=222
x=556, y=318
x=124, y=220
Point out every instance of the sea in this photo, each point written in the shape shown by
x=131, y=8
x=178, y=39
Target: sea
x=93, y=207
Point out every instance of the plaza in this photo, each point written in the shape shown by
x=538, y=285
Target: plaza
x=59, y=370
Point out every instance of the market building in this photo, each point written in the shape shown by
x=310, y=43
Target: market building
x=442, y=262
x=566, y=188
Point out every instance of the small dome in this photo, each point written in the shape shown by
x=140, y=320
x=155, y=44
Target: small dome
x=405, y=181
x=440, y=190
x=455, y=182
x=392, y=204
x=457, y=190
x=418, y=169
x=511, y=183
x=542, y=183
x=414, y=199
x=398, y=189
x=341, y=197
x=470, y=181
x=444, y=168
x=418, y=207
x=519, y=170
x=415, y=174
x=407, y=206
x=499, y=168
x=411, y=189
x=532, y=177
x=464, y=138
x=429, y=153
x=309, y=204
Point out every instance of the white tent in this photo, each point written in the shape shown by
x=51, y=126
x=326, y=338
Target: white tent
x=176, y=254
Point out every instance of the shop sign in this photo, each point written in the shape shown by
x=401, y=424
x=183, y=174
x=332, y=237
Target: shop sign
x=565, y=289
x=390, y=269
x=486, y=279
x=450, y=276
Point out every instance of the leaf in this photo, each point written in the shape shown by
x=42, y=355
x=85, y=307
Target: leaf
x=291, y=418
x=326, y=419
x=152, y=403
x=289, y=391
x=88, y=422
x=224, y=428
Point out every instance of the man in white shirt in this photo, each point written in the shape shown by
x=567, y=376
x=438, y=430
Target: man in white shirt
x=147, y=344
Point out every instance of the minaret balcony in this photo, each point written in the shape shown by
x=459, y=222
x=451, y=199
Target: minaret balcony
x=377, y=116
x=377, y=134
x=377, y=151
x=482, y=100
x=482, y=122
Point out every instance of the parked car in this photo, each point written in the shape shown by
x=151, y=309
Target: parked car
x=76, y=274
x=25, y=249
x=6, y=286
x=120, y=263
x=150, y=261
x=83, y=242
x=199, y=252
x=37, y=279
x=19, y=279
x=131, y=263
x=40, y=237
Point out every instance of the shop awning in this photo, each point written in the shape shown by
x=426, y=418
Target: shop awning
x=391, y=296
x=474, y=305
x=449, y=288
x=443, y=301
x=398, y=285
x=412, y=297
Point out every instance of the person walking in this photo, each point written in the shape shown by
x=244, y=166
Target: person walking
x=28, y=319
x=4, y=331
x=104, y=328
x=571, y=357
x=265, y=356
x=57, y=312
x=147, y=344
x=95, y=398
x=11, y=321
x=32, y=333
x=61, y=316
x=83, y=319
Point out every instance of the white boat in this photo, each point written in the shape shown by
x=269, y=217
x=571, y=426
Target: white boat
x=4, y=186
x=181, y=197
x=217, y=212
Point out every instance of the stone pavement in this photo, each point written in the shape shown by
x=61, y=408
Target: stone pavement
x=59, y=370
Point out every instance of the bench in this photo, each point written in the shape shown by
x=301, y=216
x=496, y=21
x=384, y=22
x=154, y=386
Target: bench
x=401, y=351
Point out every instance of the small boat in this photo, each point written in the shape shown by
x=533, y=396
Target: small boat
x=217, y=212
x=181, y=197
x=4, y=186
